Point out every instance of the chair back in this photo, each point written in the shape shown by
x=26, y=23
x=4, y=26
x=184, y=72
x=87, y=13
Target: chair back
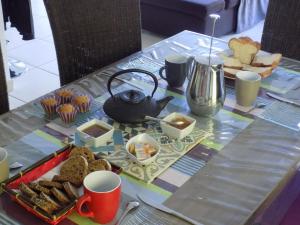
x=90, y=34
x=281, y=31
x=4, y=105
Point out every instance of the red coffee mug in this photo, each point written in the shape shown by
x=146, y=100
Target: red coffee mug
x=102, y=195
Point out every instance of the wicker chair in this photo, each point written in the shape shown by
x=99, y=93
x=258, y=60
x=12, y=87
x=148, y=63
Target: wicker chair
x=4, y=106
x=282, y=28
x=90, y=34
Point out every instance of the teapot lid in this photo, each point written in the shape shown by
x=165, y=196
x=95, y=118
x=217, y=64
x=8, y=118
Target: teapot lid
x=204, y=59
x=132, y=96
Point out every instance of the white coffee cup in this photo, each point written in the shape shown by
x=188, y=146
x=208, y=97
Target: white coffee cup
x=4, y=169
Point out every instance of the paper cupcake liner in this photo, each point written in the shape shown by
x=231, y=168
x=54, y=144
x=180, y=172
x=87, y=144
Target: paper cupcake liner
x=63, y=99
x=49, y=109
x=83, y=107
x=67, y=117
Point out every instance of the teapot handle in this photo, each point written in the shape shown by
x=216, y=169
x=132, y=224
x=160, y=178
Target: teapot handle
x=131, y=71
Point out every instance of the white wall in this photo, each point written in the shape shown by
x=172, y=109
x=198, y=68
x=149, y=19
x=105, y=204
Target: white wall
x=4, y=52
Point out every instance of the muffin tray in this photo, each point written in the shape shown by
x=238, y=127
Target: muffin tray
x=35, y=172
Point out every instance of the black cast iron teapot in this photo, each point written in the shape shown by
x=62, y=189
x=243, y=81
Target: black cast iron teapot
x=132, y=106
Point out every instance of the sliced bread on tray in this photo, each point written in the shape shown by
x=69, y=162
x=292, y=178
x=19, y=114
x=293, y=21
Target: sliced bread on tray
x=244, y=49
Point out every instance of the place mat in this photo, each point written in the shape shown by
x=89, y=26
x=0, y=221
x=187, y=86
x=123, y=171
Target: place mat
x=171, y=151
x=236, y=181
x=281, y=81
x=283, y=114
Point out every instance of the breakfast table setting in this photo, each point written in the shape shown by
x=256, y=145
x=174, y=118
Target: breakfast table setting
x=193, y=149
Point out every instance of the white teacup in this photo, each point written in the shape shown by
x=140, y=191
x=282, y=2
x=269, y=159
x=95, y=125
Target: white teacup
x=4, y=169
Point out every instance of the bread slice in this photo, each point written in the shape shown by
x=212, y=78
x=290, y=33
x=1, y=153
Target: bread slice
x=230, y=73
x=262, y=71
x=60, y=196
x=39, y=188
x=70, y=190
x=267, y=60
x=50, y=184
x=59, y=178
x=47, y=198
x=83, y=151
x=43, y=204
x=100, y=164
x=27, y=191
x=244, y=49
x=75, y=169
x=231, y=62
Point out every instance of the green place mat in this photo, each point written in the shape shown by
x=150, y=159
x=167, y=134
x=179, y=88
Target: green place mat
x=171, y=151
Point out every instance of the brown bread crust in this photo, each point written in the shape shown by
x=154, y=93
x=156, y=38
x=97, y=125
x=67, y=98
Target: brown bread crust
x=70, y=190
x=50, y=184
x=83, y=151
x=74, y=170
x=39, y=188
x=27, y=191
x=60, y=196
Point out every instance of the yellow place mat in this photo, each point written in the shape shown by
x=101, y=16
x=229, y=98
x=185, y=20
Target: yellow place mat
x=171, y=151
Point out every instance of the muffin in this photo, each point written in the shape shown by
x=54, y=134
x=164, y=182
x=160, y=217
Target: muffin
x=82, y=102
x=64, y=96
x=67, y=112
x=49, y=104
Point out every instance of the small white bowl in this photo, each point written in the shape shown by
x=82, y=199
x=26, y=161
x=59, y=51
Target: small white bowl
x=143, y=138
x=174, y=132
x=95, y=141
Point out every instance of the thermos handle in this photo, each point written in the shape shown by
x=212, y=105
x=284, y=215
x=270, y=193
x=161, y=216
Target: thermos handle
x=190, y=65
x=132, y=71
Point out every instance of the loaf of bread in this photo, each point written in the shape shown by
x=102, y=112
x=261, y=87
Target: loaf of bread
x=267, y=60
x=244, y=49
x=75, y=169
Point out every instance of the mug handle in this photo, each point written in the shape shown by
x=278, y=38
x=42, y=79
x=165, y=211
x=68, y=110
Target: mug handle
x=161, y=72
x=82, y=200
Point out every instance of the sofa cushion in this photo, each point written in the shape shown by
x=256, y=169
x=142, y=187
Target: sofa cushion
x=199, y=8
x=231, y=3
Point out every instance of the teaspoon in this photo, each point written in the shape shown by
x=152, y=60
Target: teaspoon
x=130, y=205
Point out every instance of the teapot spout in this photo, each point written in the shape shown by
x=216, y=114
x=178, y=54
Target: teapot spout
x=163, y=102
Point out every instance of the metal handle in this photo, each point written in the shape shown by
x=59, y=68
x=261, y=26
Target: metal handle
x=132, y=71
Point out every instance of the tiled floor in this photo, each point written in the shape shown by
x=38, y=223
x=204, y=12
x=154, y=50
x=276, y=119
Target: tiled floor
x=41, y=76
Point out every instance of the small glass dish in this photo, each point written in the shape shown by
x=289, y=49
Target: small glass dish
x=95, y=133
x=185, y=126
x=143, y=139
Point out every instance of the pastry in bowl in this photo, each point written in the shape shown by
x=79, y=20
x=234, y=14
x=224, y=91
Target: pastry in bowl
x=67, y=112
x=143, y=149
